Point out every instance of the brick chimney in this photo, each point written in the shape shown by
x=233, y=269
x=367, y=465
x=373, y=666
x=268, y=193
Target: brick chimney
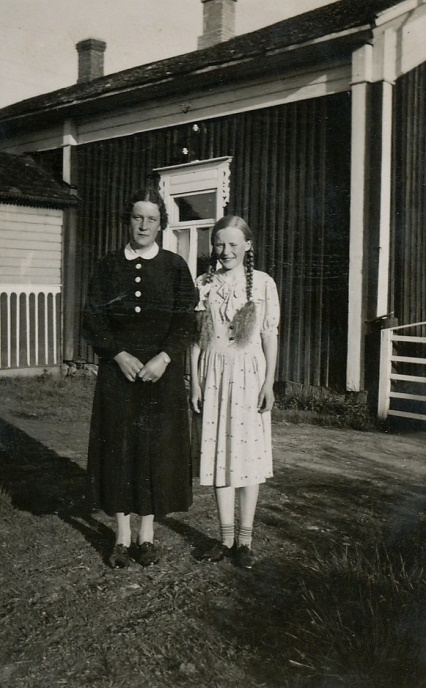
x=218, y=22
x=90, y=59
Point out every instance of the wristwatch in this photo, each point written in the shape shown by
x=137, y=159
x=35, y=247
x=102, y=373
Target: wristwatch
x=166, y=357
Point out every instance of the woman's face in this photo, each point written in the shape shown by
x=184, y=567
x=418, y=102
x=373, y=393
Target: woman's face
x=145, y=223
x=230, y=246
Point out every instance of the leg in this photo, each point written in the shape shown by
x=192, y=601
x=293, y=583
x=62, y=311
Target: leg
x=146, y=530
x=120, y=558
x=247, y=507
x=147, y=554
x=123, y=536
x=225, y=501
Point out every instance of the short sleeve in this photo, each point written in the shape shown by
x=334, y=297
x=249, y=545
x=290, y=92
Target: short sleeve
x=271, y=313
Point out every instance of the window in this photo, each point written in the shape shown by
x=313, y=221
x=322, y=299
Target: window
x=195, y=195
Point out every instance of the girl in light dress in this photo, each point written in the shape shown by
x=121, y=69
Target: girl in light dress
x=232, y=375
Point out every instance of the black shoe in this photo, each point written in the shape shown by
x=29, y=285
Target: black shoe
x=147, y=554
x=218, y=552
x=120, y=557
x=244, y=557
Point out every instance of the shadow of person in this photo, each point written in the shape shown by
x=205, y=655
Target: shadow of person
x=197, y=540
x=40, y=481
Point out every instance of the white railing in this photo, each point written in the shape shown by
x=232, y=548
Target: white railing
x=389, y=375
x=30, y=325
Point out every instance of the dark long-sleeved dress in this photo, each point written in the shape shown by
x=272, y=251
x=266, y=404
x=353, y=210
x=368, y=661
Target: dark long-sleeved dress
x=139, y=453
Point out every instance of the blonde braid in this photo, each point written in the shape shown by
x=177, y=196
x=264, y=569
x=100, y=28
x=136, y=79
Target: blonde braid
x=244, y=320
x=204, y=318
x=212, y=267
x=249, y=273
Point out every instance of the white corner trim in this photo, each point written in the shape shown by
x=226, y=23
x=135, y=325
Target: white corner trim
x=385, y=201
x=398, y=10
x=355, y=354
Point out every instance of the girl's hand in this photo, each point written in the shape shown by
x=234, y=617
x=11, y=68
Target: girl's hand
x=129, y=365
x=265, y=399
x=196, y=399
x=154, y=369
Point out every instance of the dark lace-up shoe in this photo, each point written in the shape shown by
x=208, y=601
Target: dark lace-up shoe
x=218, y=552
x=147, y=554
x=244, y=557
x=120, y=557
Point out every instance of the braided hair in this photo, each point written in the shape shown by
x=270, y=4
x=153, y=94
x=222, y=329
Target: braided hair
x=244, y=319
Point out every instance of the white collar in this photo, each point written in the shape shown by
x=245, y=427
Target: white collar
x=146, y=253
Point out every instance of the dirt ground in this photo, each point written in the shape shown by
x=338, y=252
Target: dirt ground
x=65, y=612
x=387, y=465
x=371, y=456
x=316, y=469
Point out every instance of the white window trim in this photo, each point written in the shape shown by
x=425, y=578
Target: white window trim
x=193, y=178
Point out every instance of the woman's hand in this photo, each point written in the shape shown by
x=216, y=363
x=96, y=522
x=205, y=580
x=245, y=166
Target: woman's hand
x=196, y=399
x=129, y=365
x=266, y=398
x=154, y=369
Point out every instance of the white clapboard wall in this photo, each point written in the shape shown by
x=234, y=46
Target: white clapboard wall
x=30, y=286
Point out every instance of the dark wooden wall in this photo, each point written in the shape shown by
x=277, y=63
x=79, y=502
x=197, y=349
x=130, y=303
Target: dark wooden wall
x=289, y=180
x=408, y=250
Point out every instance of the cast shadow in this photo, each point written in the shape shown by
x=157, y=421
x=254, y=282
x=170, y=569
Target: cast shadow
x=198, y=541
x=42, y=482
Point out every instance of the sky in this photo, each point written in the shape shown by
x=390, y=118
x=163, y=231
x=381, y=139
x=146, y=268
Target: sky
x=38, y=37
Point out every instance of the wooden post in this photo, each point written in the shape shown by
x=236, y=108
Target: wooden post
x=69, y=246
x=385, y=373
x=385, y=65
x=361, y=76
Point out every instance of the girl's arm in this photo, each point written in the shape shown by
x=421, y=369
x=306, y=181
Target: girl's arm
x=266, y=395
x=196, y=394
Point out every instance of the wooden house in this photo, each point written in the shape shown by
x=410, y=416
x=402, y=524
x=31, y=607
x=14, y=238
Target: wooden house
x=32, y=207
x=312, y=129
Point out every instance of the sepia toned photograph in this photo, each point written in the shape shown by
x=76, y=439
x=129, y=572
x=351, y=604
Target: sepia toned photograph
x=213, y=344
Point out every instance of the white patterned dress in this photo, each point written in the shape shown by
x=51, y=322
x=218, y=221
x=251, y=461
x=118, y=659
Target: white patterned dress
x=232, y=440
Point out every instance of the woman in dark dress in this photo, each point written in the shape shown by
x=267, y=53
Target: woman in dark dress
x=139, y=319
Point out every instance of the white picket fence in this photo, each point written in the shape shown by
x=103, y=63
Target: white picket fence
x=30, y=326
x=391, y=380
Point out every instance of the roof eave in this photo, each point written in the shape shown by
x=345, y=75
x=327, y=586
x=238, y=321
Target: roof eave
x=39, y=201
x=335, y=47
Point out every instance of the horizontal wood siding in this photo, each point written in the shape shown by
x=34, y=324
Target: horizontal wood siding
x=30, y=245
x=30, y=286
x=408, y=247
x=289, y=179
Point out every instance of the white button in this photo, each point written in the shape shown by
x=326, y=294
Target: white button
x=138, y=309
x=138, y=266
x=138, y=293
x=137, y=279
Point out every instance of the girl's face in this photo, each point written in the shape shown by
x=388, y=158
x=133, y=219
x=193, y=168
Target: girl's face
x=145, y=223
x=230, y=246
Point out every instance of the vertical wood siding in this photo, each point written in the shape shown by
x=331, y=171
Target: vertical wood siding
x=408, y=247
x=289, y=180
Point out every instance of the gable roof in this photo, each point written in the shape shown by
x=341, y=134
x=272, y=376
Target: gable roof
x=356, y=18
x=24, y=183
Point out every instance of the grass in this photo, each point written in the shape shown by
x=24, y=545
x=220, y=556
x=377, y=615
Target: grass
x=72, y=398
x=324, y=407
x=337, y=598
x=376, y=621
x=60, y=399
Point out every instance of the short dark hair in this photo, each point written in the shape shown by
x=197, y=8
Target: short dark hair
x=152, y=195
